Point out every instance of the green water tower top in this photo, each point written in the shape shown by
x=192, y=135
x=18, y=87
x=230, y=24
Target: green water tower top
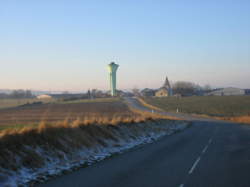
x=112, y=67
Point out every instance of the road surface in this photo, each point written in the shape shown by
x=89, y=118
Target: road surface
x=208, y=154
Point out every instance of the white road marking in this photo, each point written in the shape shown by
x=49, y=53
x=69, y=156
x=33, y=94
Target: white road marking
x=194, y=166
x=198, y=159
x=205, y=149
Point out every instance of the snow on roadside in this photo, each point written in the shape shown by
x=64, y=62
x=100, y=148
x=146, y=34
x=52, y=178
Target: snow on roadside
x=57, y=162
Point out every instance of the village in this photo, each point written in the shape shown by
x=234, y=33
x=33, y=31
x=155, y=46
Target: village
x=176, y=89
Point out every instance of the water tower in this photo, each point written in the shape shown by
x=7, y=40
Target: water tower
x=112, y=68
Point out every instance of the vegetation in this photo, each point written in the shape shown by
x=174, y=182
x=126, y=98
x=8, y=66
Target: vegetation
x=96, y=100
x=187, y=88
x=9, y=103
x=17, y=94
x=70, y=144
x=62, y=111
x=33, y=135
x=227, y=107
x=94, y=111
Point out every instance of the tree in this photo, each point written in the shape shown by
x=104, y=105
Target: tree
x=186, y=88
x=18, y=94
x=207, y=88
x=97, y=93
x=136, y=91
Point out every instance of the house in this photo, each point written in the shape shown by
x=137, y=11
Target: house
x=147, y=92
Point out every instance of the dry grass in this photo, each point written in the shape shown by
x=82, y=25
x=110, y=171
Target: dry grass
x=239, y=119
x=144, y=103
x=54, y=120
x=60, y=131
x=96, y=111
x=99, y=112
x=66, y=137
x=13, y=142
x=150, y=115
x=98, y=120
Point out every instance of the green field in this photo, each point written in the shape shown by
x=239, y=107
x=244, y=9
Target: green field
x=96, y=100
x=219, y=106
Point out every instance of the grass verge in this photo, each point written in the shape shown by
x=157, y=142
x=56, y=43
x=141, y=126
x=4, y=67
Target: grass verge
x=32, y=154
x=231, y=108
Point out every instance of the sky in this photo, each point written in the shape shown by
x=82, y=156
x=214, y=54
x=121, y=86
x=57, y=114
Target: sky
x=59, y=45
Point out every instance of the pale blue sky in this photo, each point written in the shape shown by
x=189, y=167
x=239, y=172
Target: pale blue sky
x=66, y=45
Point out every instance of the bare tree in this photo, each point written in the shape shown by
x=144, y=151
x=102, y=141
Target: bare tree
x=186, y=88
x=17, y=94
x=207, y=88
x=136, y=91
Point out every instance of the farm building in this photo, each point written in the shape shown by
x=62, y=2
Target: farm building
x=227, y=91
x=148, y=92
x=44, y=97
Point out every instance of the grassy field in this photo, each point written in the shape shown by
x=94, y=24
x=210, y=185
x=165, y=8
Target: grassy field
x=226, y=107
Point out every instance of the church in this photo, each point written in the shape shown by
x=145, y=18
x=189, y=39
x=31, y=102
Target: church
x=165, y=90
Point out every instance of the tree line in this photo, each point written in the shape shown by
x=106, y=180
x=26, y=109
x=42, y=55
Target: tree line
x=185, y=88
x=17, y=94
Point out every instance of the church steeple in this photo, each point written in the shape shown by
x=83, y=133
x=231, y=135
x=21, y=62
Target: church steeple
x=167, y=84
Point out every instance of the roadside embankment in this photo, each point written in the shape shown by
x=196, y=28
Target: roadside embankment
x=32, y=155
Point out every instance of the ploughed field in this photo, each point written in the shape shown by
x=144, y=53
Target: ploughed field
x=33, y=114
x=235, y=108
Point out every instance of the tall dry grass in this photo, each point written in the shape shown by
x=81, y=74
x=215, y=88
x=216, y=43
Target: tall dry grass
x=238, y=119
x=33, y=146
x=91, y=119
x=65, y=137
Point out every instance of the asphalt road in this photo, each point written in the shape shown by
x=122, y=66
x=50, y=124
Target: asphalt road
x=208, y=154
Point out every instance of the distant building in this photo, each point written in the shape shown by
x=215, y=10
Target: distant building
x=162, y=92
x=165, y=90
x=227, y=92
x=247, y=91
x=43, y=96
x=148, y=92
x=122, y=93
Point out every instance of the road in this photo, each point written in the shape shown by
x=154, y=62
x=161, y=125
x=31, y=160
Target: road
x=208, y=154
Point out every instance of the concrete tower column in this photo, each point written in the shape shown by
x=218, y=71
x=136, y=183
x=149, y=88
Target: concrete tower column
x=112, y=68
